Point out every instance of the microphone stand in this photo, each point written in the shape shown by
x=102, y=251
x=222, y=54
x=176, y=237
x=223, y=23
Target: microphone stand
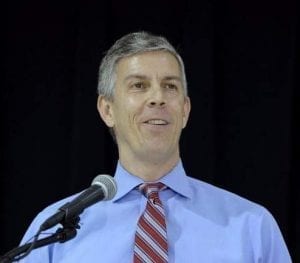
x=67, y=232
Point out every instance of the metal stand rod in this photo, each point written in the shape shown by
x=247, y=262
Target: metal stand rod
x=61, y=235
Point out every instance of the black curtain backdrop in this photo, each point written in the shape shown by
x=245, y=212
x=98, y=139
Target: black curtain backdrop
x=241, y=67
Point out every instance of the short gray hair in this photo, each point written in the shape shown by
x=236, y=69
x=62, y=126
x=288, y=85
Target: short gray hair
x=128, y=45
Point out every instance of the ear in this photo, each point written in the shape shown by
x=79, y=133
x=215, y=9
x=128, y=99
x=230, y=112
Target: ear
x=186, y=111
x=104, y=107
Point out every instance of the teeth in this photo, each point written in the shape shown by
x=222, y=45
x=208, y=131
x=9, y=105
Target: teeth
x=157, y=122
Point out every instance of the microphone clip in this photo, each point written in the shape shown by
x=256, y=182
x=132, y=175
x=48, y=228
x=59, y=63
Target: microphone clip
x=71, y=223
x=70, y=220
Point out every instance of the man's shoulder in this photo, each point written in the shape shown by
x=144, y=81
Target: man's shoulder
x=224, y=201
x=45, y=214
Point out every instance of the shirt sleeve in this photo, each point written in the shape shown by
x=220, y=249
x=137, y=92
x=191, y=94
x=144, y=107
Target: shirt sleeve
x=274, y=249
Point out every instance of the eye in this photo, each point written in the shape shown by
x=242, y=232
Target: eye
x=171, y=86
x=138, y=85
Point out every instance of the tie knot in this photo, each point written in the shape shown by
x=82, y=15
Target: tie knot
x=148, y=189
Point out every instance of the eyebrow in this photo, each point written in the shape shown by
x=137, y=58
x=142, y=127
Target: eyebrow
x=136, y=76
x=173, y=78
x=139, y=76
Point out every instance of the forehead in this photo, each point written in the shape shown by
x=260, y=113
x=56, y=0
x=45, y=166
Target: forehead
x=152, y=62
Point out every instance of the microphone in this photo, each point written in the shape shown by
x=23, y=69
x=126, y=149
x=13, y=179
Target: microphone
x=103, y=187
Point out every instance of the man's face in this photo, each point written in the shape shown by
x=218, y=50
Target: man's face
x=149, y=108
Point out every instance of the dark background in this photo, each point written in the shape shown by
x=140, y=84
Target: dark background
x=242, y=70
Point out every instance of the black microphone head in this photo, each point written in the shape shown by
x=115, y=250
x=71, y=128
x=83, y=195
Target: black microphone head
x=108, y=184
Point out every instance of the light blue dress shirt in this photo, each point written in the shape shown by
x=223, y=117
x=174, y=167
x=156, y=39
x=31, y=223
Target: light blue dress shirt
x=204, y=224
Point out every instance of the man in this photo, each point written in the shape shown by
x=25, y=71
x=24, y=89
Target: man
x=143, y=99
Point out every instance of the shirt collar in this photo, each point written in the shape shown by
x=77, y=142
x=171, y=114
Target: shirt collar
x=176, y=179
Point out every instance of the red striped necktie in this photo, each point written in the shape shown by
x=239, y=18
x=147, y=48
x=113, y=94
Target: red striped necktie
x=151, y=236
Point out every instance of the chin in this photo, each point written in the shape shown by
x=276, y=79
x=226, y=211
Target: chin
x=157, y=152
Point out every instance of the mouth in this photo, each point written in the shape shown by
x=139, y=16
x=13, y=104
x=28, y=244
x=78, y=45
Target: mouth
x=156, y=122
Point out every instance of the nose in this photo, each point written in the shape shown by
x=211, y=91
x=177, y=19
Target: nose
x=157, y=97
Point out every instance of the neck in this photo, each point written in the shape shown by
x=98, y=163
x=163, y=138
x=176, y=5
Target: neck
x=149, y=170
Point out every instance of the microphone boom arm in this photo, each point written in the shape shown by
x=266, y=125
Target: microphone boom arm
x=61, y=235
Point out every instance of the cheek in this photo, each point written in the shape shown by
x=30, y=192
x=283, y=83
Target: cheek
x=125, y=111
x=133, y=107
